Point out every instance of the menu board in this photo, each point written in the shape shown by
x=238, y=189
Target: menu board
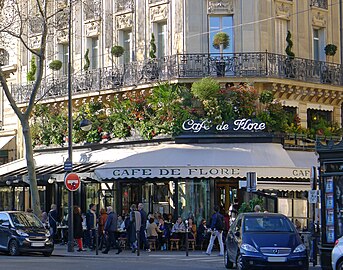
x=329, y=210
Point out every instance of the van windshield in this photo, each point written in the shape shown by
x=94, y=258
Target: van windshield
x=26, y=220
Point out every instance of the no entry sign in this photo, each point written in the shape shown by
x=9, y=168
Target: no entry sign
x=72, y=181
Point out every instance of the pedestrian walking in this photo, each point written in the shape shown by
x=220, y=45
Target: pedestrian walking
x=142, y=231
x=77, y=227
x=217, y=227
x=110, y=230
x=53, y=217
x=91, y=226
x=102, y=221
x=133, y=227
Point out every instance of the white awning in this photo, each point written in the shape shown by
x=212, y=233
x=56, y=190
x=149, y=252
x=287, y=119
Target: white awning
x=285, y=186
x=168, y=160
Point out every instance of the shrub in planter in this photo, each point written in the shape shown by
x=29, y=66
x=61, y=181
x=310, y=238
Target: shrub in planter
x=221, y=41
x=117, y=51
x=87, y=64
x=330, y=49
x=288, y=50
x=55, y=65
x=32, y=72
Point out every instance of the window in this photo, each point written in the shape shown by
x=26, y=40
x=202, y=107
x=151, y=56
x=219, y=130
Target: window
x=221, y=24
x=126, y=40
x=64, y=52
x=94, y=57
x=318, y=118
x=281, y=28
x=161, y=39
x=318, y=45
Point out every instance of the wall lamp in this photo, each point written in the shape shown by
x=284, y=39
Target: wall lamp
x=85, y=125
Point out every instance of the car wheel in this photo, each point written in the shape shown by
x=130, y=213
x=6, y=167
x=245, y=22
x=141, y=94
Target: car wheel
x=339, y=266
x=47, y=253
x=227, y=262
x=239, y=262
x=13, y=248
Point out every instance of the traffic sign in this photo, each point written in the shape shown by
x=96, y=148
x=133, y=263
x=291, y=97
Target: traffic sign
x=312, y=196
x=68, y=166
x=72, y=181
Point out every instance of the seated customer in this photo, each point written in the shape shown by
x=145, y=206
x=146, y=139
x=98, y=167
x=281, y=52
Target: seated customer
x=152, y=229
x=192, y=229
x=202, y=233
x=163, y=237
x=178, y=228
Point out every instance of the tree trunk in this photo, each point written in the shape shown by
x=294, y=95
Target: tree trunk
x=31, y=168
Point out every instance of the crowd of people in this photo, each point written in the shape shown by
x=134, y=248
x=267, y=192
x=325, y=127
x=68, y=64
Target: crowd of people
x=140, y=228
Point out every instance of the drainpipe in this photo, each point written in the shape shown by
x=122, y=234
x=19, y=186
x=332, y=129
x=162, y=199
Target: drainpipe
x=341, y=29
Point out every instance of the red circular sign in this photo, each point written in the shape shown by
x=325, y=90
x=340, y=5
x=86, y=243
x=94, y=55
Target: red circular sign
x=72, y=181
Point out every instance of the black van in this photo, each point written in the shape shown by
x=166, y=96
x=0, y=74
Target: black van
x=22, y=232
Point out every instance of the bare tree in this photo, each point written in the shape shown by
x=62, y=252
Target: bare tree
x=18, y=18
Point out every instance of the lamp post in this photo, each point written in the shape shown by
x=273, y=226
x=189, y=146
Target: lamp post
x=70, y=140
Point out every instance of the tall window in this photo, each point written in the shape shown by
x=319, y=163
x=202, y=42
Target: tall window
x=126, y=40
x=64, y=51
x=161, y=39
x=318, y=45
x=94, y=57
x=281, y=28
x=221, y=24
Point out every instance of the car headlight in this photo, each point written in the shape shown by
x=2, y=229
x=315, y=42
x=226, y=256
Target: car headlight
x=22, y=233
x=300, y=248
x=248, y=247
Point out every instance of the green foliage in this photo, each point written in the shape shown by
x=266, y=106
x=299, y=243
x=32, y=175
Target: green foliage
x=32, y=72
x=152, y=52
x=87, y=62
x=330, y=49
x=205, y=89
x=221, y=38
x=289, y=52
x=117, y=51
x=55, y=65
x=266, y=97
x=249, y=206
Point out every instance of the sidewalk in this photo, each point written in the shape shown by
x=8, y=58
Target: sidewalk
x=61, y=250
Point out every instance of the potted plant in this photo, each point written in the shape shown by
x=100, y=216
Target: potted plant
x=55, y=65
x=116, y=51
x=330, y=49
x=221, y=41
x=152, y=67
x=32, y=72
x=289, y=68
x=87, y=62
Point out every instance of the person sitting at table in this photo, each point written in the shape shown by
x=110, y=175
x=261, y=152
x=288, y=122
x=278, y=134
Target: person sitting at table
x=178, y=229
x=152, y=229
x=202, y=232
x=163, y=237
x=192, y=229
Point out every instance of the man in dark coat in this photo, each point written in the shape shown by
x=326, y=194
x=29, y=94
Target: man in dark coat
x=133, y=226
x=91, y=226
x=144, y=218
x=53, y=217
x=110, y=228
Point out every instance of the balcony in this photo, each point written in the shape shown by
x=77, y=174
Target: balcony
x=188, y=66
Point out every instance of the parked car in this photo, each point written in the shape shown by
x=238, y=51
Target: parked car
x=22, y=232
x=260, y=240
x=337, y=255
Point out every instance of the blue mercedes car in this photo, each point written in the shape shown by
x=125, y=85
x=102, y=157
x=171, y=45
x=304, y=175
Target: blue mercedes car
x=264, y=241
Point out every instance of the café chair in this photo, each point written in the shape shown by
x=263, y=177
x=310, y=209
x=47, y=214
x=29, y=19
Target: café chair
x=191, y=244
x=122, y=242
x=152, y=243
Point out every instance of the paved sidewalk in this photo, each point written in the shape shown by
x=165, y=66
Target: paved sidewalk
x=61, y=250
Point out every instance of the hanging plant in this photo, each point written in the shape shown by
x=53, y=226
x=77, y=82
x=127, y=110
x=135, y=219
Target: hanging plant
x=330, y=49
x=152, y=52
x=55, y=65
x=117, y=51
x=32, y=72
x=87, y=64
x=289, y=52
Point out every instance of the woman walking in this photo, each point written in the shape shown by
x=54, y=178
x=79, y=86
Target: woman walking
x=77, y=229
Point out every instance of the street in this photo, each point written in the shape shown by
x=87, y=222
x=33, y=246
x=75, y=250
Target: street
x=124, y=261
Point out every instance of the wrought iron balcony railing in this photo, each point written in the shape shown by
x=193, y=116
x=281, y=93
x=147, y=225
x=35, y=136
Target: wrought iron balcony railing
x=258, y=64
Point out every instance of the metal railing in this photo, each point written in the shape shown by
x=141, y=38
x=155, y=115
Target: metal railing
x=320, y=3
x=258, y=64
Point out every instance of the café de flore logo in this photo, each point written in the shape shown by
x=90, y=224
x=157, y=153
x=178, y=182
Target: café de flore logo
x=238, y=125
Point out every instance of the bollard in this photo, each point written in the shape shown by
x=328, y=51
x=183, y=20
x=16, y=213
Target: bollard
x=186, y=222
x=96, y=240
x=138, y=242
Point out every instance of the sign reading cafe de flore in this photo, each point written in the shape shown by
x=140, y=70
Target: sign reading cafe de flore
x=212, y=170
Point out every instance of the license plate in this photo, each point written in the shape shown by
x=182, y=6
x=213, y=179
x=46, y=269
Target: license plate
x=37, y=244
x=277, y=259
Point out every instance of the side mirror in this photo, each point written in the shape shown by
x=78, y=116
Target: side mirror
x=237, y=234
x=6, y=224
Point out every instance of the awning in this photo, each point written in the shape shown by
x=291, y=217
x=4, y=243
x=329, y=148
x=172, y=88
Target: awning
x=234, y=160
x=285, y=186
x=5, y=140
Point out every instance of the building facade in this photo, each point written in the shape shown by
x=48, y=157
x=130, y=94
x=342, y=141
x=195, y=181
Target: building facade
x=308, y=84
